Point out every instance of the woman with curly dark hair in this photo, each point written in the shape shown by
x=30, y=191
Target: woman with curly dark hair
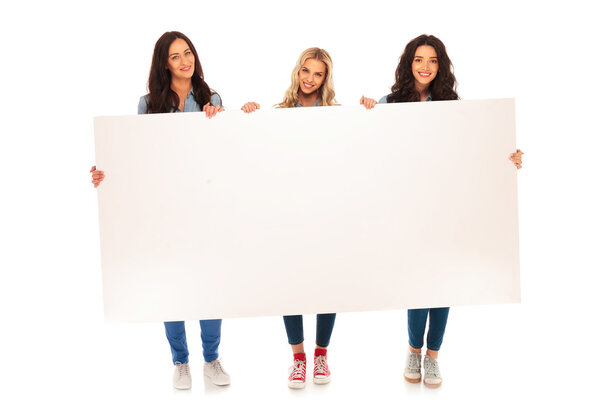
x=176, y=84
x=424, y=73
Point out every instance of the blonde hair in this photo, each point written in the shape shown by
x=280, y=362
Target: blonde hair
x=326, y=91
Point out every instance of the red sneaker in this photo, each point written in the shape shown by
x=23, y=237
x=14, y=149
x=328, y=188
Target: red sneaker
x=297, y=372
x=321, y=374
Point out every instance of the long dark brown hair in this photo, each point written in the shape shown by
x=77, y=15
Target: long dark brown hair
x=161, y=98
x=443, y=85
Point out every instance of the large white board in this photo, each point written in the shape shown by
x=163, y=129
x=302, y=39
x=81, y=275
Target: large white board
x=310, y=210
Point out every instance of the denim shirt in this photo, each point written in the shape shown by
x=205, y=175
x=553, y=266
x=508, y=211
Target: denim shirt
x=317, y=103
x=190, y=104
x=383, y=100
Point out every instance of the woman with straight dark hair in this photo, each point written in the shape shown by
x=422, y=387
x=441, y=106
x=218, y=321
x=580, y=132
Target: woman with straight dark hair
x=176, y=84
x=424, y=73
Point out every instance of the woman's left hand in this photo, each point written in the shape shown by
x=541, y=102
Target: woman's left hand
x=516, y=158
x=211, y=111
x=368, y=102
x=97, y=176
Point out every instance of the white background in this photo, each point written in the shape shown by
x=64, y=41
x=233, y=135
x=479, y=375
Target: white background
x=64, y=62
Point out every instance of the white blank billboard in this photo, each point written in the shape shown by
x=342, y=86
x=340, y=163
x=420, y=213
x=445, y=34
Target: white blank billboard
x=308, y=210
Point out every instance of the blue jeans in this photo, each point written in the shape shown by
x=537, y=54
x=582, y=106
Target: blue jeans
x=210, y=332
x=437, y=326
x=295, y=329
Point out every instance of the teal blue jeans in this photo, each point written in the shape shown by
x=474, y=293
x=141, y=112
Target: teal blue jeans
x=295, y=329
x=437, y=326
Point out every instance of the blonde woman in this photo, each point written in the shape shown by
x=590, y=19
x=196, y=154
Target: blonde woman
x=312, y=82
x=312, y=85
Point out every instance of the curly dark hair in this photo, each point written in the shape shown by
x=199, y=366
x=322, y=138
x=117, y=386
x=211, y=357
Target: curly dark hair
x=161, y=98
x=443, y=85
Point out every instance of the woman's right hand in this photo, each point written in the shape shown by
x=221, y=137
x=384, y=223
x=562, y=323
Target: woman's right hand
x=517, y=158
x=210, y=110
x=250, y=107
x=367, y=102
x=97, y=176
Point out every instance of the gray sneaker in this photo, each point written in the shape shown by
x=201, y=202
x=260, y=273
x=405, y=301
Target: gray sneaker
x=182, y=379
x=432, y=378
x=412, y=370
x=215, y=372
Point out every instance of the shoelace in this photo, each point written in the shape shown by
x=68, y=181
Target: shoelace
x=432, y=368
x=299, y=370
x=183, y=368
x=217, y=367
x=320, y=365
x=413, y=361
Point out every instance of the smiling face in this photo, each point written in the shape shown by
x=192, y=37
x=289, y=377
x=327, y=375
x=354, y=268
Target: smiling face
x=312, y=75
x=181, y=60
x=425, y=65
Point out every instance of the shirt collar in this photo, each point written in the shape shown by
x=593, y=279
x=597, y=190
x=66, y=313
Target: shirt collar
x=189, y=97
x=317, y=103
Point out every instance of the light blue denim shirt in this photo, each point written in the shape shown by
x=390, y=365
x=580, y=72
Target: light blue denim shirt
x=190, y=104
x=383, y=100
x=317, y=103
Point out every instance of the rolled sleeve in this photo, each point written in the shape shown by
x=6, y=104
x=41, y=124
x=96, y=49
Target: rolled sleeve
x=143, y=105
x=215, y=100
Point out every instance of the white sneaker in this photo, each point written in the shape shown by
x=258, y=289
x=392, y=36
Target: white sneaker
x=215, y=372
x=182, y=379
x=412, y=370
x=432, y=378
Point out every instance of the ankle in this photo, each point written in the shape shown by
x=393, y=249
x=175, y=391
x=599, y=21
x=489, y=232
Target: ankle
x=321, y=351
x=413, y=350
x=432, y=353
x=300, y=356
